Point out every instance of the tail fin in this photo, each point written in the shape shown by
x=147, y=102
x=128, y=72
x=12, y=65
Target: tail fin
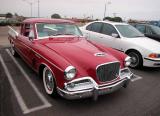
x=12, y=32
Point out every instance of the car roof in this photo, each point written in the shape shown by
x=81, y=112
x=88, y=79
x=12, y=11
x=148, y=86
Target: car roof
x=113, y=23
x=46, y=20
x=145, y=24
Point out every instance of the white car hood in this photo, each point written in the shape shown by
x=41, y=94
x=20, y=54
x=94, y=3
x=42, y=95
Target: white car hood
x=145, y=43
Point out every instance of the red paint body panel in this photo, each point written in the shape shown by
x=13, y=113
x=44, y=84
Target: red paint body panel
x=61, y=52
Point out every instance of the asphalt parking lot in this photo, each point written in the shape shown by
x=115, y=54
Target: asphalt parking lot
x=22, y=93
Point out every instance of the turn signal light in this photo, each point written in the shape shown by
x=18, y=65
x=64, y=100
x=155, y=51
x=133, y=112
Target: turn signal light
x=153, y=55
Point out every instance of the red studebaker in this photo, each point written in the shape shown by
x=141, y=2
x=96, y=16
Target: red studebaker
x=69, y=64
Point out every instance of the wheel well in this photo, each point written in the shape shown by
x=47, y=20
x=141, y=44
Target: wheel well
x=132, y=50
x=41, y=67
x=136, y=51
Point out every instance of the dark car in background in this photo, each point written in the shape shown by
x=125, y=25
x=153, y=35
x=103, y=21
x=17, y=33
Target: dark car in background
x=155, y=23
x=150, y=31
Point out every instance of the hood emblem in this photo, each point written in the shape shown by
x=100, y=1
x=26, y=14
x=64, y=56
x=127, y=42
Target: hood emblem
x=100, y=54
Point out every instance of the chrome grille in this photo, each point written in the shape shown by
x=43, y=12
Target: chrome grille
x=108, y=72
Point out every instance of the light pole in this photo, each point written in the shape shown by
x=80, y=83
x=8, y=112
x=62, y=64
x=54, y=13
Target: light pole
x=106, y=3
x=30, y=3
x=38, y=9
x=115, y=14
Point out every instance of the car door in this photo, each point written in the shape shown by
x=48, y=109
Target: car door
x=19, y=41
x=92, y=31
x=149, y=32
x=26, y=44
x=106, y=36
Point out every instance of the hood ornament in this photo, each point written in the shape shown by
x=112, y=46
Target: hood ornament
x=100, y=54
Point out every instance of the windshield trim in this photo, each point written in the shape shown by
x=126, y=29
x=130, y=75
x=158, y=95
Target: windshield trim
x=56, y=36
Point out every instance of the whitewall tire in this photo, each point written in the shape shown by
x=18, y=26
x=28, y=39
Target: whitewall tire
x=49, y=81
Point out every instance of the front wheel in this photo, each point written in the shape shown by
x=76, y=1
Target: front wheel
x=137, y=60
x=13, y=52
x=49, y=82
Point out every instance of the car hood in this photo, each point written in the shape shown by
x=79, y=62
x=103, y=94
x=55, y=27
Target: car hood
x=146, y=43
x=79, y=53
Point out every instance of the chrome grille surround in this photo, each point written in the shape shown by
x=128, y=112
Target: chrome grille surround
x=108, y=71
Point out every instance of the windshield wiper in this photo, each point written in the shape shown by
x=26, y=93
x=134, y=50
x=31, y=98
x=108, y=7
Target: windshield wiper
x=57, y=34
x=53, y=35
x=139, y=36
x=68, y=34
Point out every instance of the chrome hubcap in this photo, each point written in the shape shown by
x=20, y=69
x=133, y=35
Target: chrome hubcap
x=49, y=80
x=135, y=59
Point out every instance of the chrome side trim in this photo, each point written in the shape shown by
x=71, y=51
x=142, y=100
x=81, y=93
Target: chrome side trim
x=42, y=57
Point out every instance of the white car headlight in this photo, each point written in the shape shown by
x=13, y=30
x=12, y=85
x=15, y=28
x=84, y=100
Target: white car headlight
x=127, y=61
x=70, y=72
x=154, y=55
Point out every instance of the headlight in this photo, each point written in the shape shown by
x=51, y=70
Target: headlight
x=154, y=55
x=70, y=72
x=127, y=61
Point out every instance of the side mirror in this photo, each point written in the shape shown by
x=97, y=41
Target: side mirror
x=115, y=35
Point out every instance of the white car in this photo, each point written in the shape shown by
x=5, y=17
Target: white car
x=124, y=37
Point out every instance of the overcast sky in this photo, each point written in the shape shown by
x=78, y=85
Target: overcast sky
x=135, y=9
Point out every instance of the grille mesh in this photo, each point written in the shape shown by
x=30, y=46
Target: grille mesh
x=108, y=72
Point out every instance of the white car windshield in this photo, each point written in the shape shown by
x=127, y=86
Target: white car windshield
x=50, y=29
x=129, y=31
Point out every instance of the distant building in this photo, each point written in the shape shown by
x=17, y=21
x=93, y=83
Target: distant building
x=80, y=22
x=2, y=16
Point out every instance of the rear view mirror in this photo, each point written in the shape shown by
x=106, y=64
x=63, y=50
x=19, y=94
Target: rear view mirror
x=115, y=35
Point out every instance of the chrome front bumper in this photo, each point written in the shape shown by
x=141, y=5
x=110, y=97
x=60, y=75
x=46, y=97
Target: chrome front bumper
x=87, y=87
x=151, y=62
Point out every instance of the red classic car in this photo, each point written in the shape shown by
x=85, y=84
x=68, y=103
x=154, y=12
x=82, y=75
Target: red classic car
x=69, y=64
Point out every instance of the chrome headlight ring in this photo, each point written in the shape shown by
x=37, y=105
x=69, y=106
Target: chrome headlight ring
x=127, y=61
x=70, y=72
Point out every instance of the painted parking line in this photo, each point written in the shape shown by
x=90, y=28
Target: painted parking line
x=20, y=100
x=15, y=90
x=135, y=78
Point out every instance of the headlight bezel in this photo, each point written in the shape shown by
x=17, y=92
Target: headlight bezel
x=127, y=61
x=70, y=72
x=154, y=55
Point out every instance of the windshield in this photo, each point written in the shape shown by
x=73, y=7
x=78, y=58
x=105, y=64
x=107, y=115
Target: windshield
x=129, y=31
x=156, y=30
x=50, y=29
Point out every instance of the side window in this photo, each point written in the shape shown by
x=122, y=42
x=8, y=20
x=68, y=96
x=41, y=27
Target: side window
x=148, y=30
x=27, y=28
x=108, y=29
x=141, y=28
x=95, y=27
x=89, y=27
